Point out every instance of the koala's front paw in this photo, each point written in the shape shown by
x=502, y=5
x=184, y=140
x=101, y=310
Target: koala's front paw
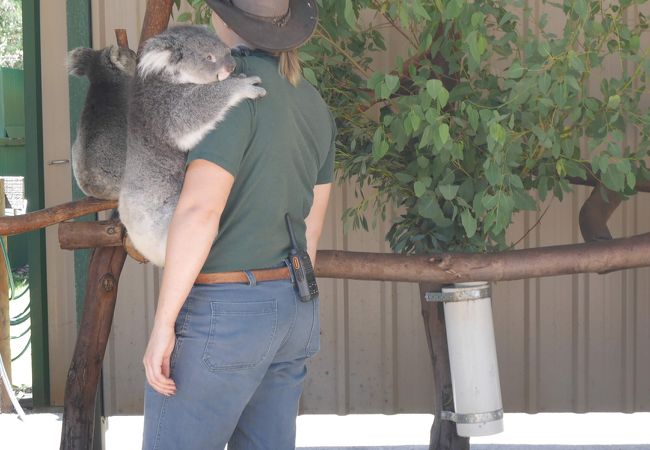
x=124, y=59
x=251, y=90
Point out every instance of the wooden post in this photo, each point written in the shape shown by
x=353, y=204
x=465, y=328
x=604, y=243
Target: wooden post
x=443, y=432
x=101, y=293
x=5, y=333
x=104, y=270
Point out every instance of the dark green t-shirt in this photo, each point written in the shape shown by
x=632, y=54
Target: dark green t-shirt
x=277, y=147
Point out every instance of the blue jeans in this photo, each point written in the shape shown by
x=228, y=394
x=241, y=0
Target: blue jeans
x=239, y=365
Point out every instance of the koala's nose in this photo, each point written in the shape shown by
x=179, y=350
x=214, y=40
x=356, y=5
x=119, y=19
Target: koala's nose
x=229, y=64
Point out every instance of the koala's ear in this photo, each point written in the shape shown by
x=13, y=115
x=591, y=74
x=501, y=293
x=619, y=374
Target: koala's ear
x=154, y=61
x=79, y=61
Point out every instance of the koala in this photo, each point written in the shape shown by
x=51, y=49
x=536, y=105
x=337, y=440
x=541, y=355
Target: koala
x=99, y=150
x=182, y=89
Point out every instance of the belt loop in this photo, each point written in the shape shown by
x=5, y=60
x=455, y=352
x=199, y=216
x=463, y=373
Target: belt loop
x=251, y=278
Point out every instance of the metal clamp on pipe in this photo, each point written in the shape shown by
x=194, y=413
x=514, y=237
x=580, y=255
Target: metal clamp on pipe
x=460, y=295
x=472, y=418
x=472, y=358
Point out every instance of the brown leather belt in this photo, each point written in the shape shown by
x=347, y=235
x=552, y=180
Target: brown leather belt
x=281, y=273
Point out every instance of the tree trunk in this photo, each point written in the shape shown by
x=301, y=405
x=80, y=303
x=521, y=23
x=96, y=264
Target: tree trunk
x=156, y=18
x=443, y=432
x=101, y=293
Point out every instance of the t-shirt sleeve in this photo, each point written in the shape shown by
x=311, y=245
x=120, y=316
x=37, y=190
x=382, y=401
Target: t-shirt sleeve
x=226, y=144
x=326, y=172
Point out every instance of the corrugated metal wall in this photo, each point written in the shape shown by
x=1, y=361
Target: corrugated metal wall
x=571, y=343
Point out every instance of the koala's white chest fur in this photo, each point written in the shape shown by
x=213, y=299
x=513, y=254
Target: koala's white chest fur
x=189, y=140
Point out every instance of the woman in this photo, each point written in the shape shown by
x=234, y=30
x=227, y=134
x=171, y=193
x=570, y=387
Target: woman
x=226, y=357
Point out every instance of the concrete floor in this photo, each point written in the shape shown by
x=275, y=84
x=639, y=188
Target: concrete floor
x=41, y=431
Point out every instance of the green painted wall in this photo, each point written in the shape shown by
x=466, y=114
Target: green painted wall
x=79, y=35
x=35, y=196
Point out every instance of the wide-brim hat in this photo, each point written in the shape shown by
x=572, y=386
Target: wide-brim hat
x=272, y=25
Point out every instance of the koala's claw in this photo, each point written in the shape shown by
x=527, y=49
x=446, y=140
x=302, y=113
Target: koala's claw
x=251, y=89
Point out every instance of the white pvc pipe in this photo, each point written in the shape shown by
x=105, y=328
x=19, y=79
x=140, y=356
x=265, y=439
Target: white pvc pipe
x=473, y=361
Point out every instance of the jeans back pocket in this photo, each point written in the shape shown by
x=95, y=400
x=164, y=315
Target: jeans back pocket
x=241, y=334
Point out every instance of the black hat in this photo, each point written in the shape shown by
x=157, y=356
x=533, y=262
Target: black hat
x=272, y=25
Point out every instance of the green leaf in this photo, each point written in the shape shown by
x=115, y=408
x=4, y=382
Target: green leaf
x=489, y=201
x=472, y=115
x=474, y=48
x=404, y=178
x=309, y=75
x=433, y=87
x=443, y=132
x=497, y=132
x=544, y=49
x=420, y=11
x=544, y=82
x=392, y=81
x=571, y=80
x=477, y=19
x=443, y=97
x=515, y=70
x=580, y=7
x=453, y=8
x=380, y=150
x=575, y=62
x=415, y=120
x=469, y=223
x=419, y=188
x=374, y=80
x=614, y=101
x=614, y=179
x=448, y=191
x=493, y=173
x=349, y=15
x=523, y=201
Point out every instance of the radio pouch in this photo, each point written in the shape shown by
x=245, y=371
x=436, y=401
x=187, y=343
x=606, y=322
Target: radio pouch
x=301, y=267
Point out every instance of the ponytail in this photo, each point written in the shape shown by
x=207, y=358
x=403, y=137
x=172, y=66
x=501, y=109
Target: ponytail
x=289, y=66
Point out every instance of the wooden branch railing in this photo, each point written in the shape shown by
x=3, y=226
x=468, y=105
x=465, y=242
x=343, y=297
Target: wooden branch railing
x=50, y=216
x=595, y=257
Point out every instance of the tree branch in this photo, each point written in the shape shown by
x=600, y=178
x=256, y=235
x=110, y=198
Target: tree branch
x=596, y=257
x=595, y=213
x=156, y=18
x=49, y=216
x=641, y=186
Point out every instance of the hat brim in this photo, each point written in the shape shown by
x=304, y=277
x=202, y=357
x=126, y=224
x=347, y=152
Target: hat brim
x=266, y=35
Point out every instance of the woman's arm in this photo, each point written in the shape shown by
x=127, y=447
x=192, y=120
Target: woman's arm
x=193, y=227
x=316, y=218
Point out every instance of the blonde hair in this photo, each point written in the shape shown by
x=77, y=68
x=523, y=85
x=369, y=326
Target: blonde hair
x=289, y=66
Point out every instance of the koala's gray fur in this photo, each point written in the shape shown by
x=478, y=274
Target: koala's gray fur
x=176, y=99
x=99, y=151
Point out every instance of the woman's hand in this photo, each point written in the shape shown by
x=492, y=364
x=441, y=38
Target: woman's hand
x=156, y=359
